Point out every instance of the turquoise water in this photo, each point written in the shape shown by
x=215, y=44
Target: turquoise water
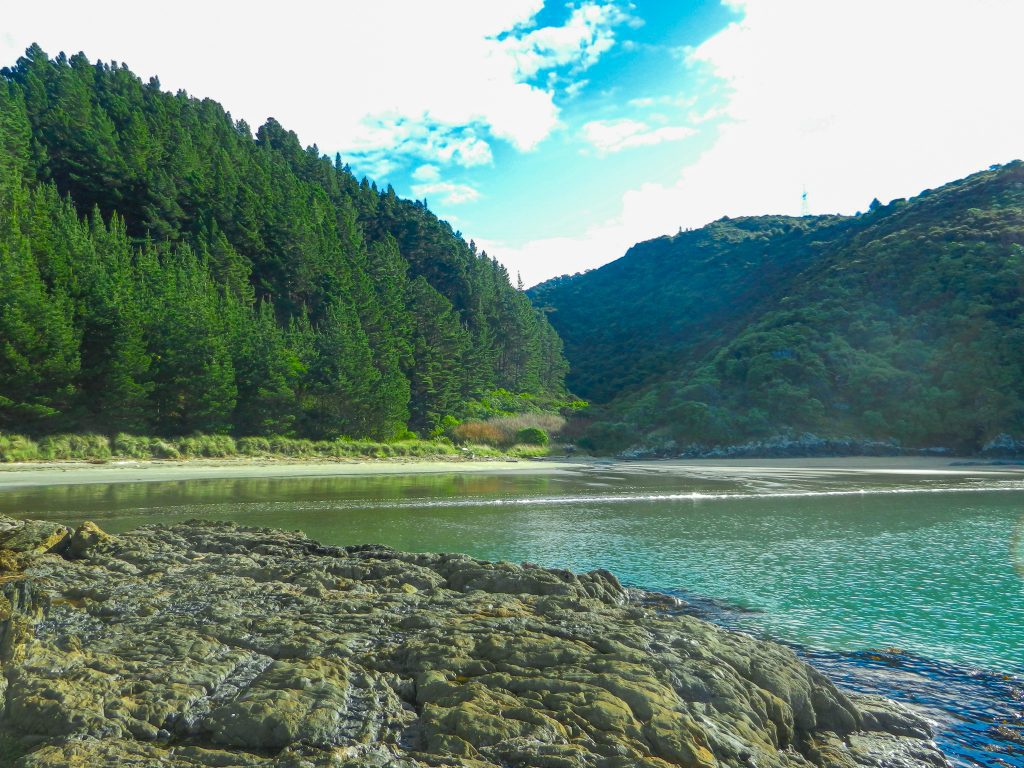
x=925, y=567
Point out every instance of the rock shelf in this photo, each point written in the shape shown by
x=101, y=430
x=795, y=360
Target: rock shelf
x=211, y=644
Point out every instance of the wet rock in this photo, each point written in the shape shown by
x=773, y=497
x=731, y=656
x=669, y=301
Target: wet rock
x=209, y=644
x=881, y=714
x=85, y=536
x=31, y=537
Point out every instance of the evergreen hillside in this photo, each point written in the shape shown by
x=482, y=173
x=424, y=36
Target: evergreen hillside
x=164, y=271
x=903, y=323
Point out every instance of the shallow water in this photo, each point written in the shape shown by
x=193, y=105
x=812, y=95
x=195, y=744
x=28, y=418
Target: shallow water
x=926, y=567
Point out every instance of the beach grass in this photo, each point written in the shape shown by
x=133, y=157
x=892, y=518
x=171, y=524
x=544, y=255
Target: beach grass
x=15, y=448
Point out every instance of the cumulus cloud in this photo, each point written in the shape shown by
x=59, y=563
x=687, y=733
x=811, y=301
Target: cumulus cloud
x=852, y=99
x=608, y=136
x=427, y=172
x=386, y=140
x=589, y=32
x=449, y=192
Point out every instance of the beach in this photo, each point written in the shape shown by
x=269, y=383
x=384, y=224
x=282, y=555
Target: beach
x=132, y=471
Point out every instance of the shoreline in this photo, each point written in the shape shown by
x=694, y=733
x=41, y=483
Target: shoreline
x=160, y=470
x=29, y=474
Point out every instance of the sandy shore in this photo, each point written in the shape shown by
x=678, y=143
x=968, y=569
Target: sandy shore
x=76, y=473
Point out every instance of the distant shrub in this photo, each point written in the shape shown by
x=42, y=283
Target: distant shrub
x=551, y=423
x=532, y=436
x=500, y=402
x=17, y=448
x=161, y=449
x=136, y=447
x=445, y=427
x=82, y=447
x=480, y=432
x=207, y=446
x=505, y=431
x=286, y=446
x=130, y=446
x=527, y=451
x=253, y=446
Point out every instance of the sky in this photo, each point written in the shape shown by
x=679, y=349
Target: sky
x=556, y=135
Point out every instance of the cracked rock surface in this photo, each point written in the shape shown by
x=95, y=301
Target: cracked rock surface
x=211, y=644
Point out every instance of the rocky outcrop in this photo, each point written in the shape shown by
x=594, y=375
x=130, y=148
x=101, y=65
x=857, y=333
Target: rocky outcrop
x=806, y=445
x=1004, y=446
x=208, y=644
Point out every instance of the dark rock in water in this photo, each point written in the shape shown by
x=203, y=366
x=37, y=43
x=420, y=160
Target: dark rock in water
x=209, y=644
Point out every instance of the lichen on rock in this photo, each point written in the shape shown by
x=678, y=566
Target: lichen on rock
x=211, y=644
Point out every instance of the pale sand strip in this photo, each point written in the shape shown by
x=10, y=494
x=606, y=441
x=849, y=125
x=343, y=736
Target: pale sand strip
x=75, y=473
x=78, y=473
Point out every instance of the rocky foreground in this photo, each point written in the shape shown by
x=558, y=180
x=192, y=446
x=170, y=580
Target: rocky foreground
x=209, y=644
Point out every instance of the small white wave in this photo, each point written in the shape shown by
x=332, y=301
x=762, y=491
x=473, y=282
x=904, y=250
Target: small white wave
x=640, y=498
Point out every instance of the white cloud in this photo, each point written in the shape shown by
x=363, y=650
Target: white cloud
x=608, y=136
x=449, y=192
x=389, y=139
x=854, y=100
x=575, y=88
x=427, y=173
x=375, y=78
x=645, y=102
x=587, y=34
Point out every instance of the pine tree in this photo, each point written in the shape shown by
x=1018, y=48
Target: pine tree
x=440, y=345
x=38, y=347
x=341, y=378
x=193, y=379
x=267, y=372
x=114, y=383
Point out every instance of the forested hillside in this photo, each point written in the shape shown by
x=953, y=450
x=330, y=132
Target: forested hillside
x=903, y=323
x=164, y=271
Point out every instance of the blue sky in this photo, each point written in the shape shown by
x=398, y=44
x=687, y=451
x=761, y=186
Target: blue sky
x=557, y=134
x=621, y=113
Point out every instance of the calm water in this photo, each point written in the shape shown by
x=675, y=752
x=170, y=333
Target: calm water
x=907, y=584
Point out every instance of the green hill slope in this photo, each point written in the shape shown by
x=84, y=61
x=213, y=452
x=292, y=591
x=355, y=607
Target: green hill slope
x=903, y=323
x=163, y=270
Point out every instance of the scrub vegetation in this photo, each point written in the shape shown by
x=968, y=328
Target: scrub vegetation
x=902, y=324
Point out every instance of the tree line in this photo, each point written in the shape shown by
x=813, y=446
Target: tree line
x=164, y=270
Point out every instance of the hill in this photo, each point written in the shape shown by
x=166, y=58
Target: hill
x=900, y=324
x=165, y=270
